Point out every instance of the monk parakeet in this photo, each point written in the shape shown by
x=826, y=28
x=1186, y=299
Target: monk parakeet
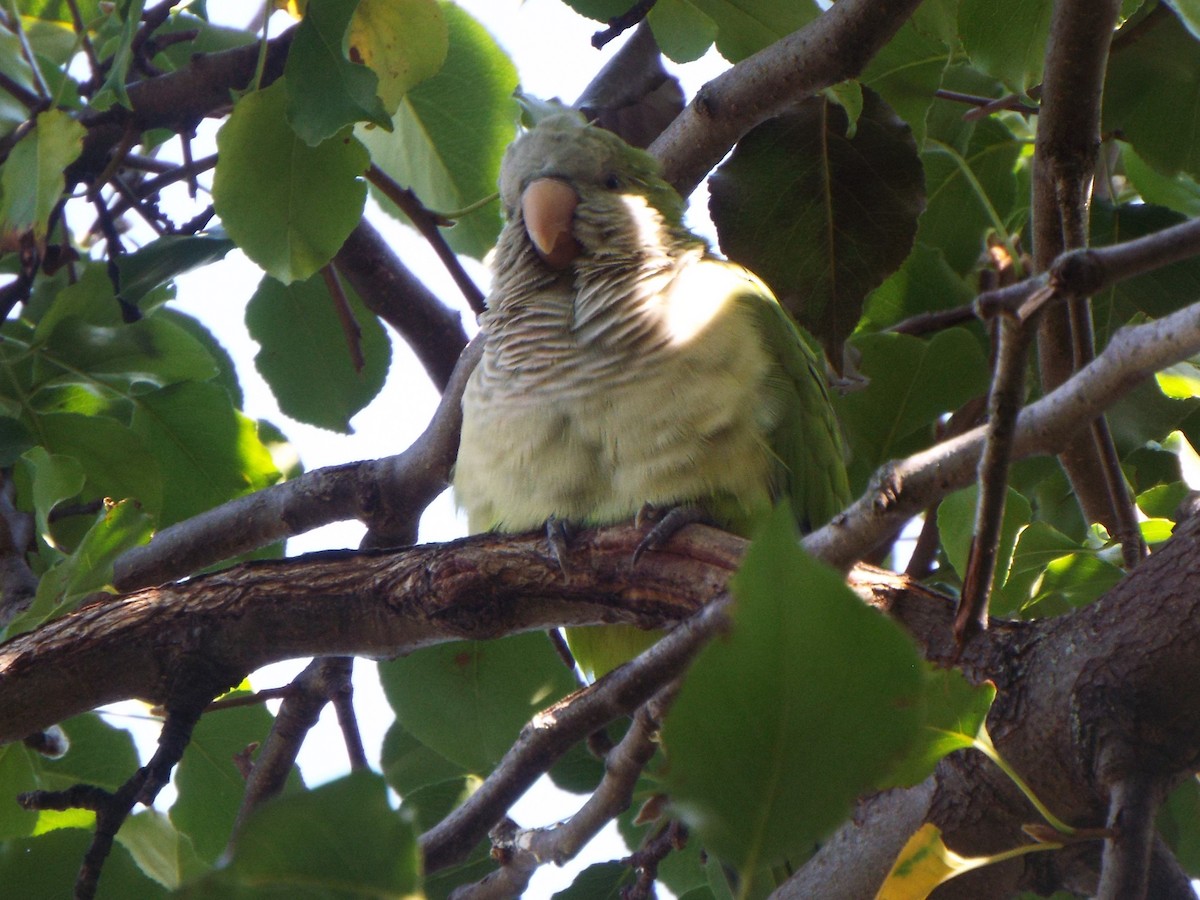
x=624, y=365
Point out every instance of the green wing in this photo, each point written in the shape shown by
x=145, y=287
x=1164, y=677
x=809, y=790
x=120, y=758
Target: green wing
x=807, y=439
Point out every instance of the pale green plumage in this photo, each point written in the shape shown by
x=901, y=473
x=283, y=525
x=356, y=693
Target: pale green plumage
x=645, y=372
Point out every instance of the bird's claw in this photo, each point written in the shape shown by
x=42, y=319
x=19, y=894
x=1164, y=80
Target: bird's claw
x=558, y=534
x=667, y=524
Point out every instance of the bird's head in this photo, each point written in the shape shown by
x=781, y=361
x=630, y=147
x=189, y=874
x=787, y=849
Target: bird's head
x=576, y=189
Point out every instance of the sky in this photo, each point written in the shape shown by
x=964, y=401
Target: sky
x=550, y=45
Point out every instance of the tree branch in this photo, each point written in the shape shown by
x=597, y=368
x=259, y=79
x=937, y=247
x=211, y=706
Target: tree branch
x=835, y=46
x=900, y=490
x=1068, y=138
x=388, y=494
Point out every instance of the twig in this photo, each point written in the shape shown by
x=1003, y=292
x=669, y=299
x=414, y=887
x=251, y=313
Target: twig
x=433, y=331
x=617, y=25
x=1004, y=403
x=900, y=490
x=39, y=80
x=350, y=328
x=525, y=850
x=304, y=699
x=81, y=31
x=428, y=225
x=27, y=98
x=938, y=320
x=986, y=105
x=550, y=734
x=112, y=809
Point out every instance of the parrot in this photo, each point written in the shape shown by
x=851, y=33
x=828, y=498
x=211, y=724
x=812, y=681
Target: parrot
x=625, y=367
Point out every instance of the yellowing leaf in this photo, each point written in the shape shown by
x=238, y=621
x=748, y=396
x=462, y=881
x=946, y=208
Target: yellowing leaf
x=926, y=861
x=403, y=41
x=923, y=864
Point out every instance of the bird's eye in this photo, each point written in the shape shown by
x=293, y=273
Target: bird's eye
x=612, y=182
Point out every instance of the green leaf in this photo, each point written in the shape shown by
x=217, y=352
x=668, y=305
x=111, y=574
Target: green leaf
x=153, y=351
x=912, y=383
x=468, y=700
x=907, y=72
x=89, y=568
x=1154, y=293
x=115, y=460
x=952, y=709
x=122, y=25
x=774, y=734
x=289, y=206
x=1149, y=95
x=96, y=753
x=956, y=524
x=822, y=218
x=1179, y=824
x=747, y=26
x=209, y=783
x=46, y=867
x=14, y=65
x=682, y=30
x=306, y=354
x=159, y=850
x=1188, y=12
x=403, y=41
x=1007, y=41
x=340, y=840
x=325, y=91
x=924, y=283
x=971, y=193
x=1180, y=193
x=448, y=165
x=212, y=451
x=602, y=881
x=409, y=765
x=32, y=181
x=165, y=258
x=53, y=479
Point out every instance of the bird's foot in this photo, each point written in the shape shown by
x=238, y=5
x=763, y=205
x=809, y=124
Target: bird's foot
x=558, y=534
x=666, y=524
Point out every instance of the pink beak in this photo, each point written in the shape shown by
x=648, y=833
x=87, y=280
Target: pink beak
x=548, y=209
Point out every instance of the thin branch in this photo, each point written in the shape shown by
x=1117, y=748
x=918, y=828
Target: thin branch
x=388, y=494
x=391, y=291
x=618, y=25
x=1004, y=403
x=985, y=106
x=524, y=850
x=303, y=702
x=900, y=490
x=552, y=733
x=429, y=225
x=84, y=38
x=112, y=809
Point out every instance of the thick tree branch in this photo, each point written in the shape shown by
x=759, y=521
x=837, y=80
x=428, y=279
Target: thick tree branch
x=835, y=46
x=345, y=603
